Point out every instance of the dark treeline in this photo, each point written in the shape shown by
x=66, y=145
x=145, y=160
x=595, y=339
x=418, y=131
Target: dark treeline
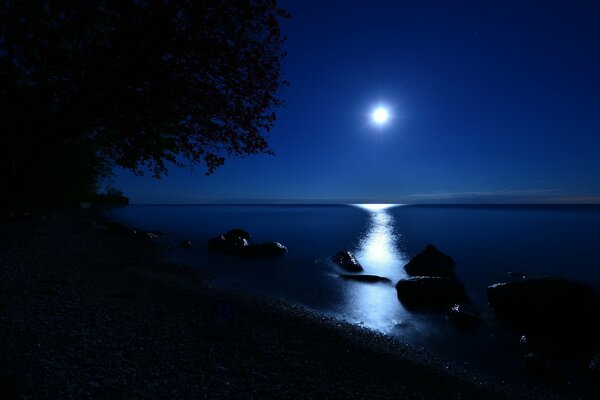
x=142, y=85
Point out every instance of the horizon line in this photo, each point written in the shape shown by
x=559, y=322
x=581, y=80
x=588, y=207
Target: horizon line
x=357, y=203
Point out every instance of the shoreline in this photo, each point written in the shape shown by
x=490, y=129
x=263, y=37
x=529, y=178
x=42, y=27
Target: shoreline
x=84, y=314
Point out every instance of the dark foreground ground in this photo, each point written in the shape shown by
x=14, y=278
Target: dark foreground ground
x=84, y=314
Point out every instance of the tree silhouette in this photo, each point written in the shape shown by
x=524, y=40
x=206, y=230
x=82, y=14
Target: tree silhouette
x=140, y=84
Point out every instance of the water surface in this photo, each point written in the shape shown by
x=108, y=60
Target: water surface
x=485, y=241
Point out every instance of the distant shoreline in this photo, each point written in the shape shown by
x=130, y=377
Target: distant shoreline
x=87, y=314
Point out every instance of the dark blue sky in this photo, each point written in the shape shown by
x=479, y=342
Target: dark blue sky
x=492, y=102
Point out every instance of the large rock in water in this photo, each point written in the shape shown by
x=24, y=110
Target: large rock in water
x=267, y=249
x=347, y=261
x=543, y=299
x=431, y=262
x=555, y=307
x=428, y=291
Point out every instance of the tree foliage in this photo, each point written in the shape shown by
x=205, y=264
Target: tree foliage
x=136, y=83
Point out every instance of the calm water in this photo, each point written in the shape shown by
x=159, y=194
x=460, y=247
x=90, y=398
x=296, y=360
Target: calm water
x=485, y=241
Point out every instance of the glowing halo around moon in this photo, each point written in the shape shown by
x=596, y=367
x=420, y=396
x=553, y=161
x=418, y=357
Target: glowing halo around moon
x=380, y=115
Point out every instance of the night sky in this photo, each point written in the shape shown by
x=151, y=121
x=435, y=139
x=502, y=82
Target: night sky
x=490, y=102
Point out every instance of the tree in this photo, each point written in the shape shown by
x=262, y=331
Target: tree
x=137, y=83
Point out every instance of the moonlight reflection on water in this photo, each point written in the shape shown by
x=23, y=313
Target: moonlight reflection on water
x=378, y=252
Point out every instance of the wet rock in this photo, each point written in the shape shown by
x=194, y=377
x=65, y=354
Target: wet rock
x=236, y=244
x=232, y=245
x=187, y=244
x=347, y=261
x=464, y=315
x=267, y=249
x=427, y=291
x=237, y=233
x=365, y=278
x=564, y=311
x=539, y=300
x=431, y=262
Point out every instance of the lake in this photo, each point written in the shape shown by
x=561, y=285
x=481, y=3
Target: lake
x=485, y=241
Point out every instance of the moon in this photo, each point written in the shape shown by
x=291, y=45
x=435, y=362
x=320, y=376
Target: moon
x=380, y=115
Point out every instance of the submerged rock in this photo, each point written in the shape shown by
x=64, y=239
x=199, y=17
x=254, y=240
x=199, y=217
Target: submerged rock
x=365, y=278
x=267, y=249
x=431, y=262
x=186, y=244
x=347, y=261
x=464, y=315
x=426, y=291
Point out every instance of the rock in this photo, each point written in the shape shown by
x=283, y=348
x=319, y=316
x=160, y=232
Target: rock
x=237, y=233
x=594, y=365
x=565, y=311
x=365, y=278
x=543, y=299
x=267, y=249
x=464, y=315
x=236, y=244
x=232, y=245
x=425, y=291
x=186, y=244
x=431, y=262
x=347, y=261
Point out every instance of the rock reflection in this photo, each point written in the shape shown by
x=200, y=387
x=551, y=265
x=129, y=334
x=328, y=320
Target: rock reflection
x=376, y=304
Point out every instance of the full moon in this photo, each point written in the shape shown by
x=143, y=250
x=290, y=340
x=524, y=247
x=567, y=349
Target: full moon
x=380, y=115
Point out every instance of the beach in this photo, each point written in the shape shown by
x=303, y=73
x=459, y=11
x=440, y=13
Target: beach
x=86, y=314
